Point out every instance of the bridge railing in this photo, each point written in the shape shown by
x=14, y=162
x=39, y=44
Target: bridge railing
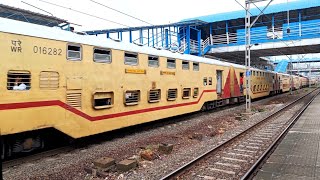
x=263, y=34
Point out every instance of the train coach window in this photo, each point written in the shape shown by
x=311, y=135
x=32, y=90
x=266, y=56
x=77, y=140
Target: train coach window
x=196, y=66
x=49, y=80
x=102, y=100
x=101, y=55
x=18, y=80
x=205, y=81
x=172, y=94
x=186, y=93
x=210, y=80
x=130, y=58
x=171, y=63
x=185, y=65
x=131, y=97
x=154, y=95
x=195, y=92
x=74, y=52
x=153, y=61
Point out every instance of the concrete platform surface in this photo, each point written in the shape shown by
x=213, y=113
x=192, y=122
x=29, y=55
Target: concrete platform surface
x=298, y=155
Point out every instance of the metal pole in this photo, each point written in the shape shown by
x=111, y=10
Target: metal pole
x=247, y=57
x=1, y=149
x=310, y=75
x=188, y=44
x=248, y=26
x=166, y=34
x=291, y=69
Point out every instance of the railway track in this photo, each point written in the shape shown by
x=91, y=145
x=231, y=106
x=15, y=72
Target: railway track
x=240, y=156
x=66, y=148
x=50, y=154
x=31, y=158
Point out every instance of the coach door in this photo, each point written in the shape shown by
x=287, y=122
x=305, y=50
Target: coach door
x=219, y=82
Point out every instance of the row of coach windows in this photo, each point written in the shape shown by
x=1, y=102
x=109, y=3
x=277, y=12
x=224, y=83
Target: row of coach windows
x=21, y=80
x=259, y=88
x=132, y=97
x=258, y=73
x=100, y=55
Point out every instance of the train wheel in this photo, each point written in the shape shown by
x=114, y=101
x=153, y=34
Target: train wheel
x=31, y=143
x=6, y=151
x=204, y=107
x=3, y=152
x=41, y=141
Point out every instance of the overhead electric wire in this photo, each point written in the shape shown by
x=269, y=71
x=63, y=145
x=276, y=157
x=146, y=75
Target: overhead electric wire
x=80, y=12
x=37, y=8
x=120, y=12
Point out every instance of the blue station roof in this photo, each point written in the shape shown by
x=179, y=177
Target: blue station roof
x=276, y=8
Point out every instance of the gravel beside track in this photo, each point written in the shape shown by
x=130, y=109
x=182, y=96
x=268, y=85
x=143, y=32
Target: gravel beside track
x=234, y=159
x=214, y=126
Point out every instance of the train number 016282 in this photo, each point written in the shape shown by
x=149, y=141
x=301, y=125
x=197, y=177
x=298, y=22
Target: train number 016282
x=47, y=50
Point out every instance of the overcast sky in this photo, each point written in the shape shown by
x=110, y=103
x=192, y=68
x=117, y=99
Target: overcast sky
x=154, y=12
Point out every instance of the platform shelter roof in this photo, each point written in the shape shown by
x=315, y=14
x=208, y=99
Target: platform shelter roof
x=29, y=16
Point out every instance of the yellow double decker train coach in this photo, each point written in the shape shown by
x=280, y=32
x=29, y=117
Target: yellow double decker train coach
x=82, y=85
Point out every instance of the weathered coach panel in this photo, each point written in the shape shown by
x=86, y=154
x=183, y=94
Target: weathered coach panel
x=284, y=82
x=66, y=85
x=261, y=83
x=26, y=58
x=83, y=85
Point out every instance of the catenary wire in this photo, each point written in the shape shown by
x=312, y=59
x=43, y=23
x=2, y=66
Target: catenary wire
x=80, y=12
x=120, y=12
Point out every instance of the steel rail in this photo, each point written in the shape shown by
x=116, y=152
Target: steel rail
x=251, y=172
x=188, y=165
x=53, y=152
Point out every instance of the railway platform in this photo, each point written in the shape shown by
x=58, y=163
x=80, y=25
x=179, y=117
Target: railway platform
x=298, y=155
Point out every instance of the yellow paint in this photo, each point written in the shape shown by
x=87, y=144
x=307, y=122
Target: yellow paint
x=87, y=77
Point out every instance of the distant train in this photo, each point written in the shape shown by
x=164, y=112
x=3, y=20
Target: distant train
x=82, y=85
